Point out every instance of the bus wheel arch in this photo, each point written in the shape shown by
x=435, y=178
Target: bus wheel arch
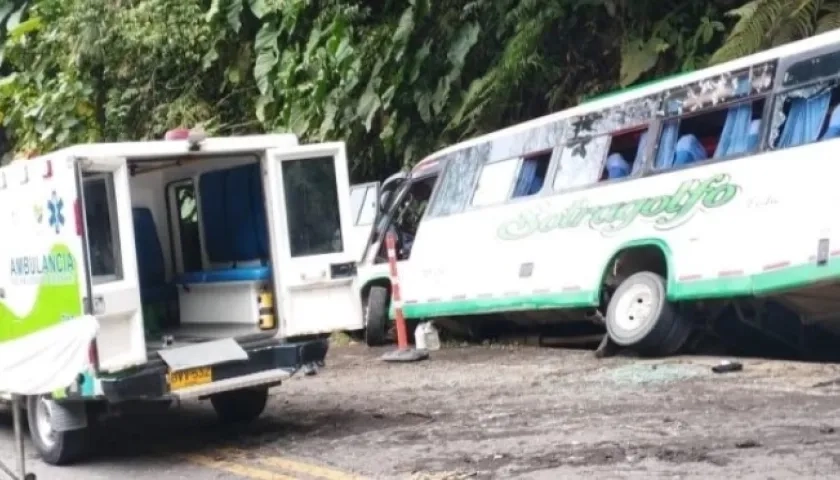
x=376, y=302
x=643, y=257
x=634, y=294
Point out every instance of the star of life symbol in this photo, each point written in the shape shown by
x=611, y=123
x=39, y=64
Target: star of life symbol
x=55, y=205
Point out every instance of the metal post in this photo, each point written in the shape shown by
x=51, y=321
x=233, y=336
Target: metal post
x=17, y=411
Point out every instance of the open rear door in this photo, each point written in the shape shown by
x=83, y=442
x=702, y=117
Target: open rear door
x=45, y=336
x=313, y=262
x=112, y=261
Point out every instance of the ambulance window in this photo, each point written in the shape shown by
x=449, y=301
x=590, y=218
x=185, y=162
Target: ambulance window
x=102, y=235
x=188, y=228
x=312, y=215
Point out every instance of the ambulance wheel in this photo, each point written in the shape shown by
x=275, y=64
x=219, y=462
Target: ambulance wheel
x=240, y=406
x=640, y=317
x=376, y=316
x=55, y=448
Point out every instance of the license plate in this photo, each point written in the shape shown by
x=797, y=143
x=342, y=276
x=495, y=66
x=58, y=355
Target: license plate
x=190, y=378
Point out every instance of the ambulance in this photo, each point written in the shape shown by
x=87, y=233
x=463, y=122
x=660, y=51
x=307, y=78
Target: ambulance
x=214, y=268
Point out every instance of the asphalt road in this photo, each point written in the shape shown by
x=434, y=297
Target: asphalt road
x=488, y=413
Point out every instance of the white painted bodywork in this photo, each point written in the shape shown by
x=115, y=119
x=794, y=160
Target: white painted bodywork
x=310, y=300
x=310, y=303
x=758, y=243
x=38, y=248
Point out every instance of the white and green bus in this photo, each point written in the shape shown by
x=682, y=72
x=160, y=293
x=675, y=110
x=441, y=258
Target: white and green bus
x=709, y=189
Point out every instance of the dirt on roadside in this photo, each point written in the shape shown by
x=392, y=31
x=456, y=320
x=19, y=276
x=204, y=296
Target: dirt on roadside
x=501, y=412
x=522, y=412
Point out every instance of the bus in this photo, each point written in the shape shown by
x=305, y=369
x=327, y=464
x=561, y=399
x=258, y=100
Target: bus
x=644, y=211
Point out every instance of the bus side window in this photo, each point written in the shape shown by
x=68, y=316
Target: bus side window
x=494, y=182
x=581, y=163
x=625, y=155
x=717, y=133
x=455, y=189
x=510, y=178
x=808, y=109
x=531, y=176
x=408, y=215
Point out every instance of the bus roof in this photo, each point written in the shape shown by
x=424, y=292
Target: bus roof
x=614, y=98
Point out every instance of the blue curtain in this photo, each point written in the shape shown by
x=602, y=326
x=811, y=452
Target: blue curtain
x=527, y=182
x=665, y=155
x=804, y=120
x=734, y=137
x=833, y=130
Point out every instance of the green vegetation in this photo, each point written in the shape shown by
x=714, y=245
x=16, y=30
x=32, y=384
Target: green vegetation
x=395, y=79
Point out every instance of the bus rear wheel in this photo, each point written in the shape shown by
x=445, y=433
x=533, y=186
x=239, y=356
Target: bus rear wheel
x=640, y=317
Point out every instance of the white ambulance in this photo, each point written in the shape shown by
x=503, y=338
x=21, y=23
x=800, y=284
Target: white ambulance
x=214, y=267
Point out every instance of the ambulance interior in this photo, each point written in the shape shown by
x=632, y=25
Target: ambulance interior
x=201, y=236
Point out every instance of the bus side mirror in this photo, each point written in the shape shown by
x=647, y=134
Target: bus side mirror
x=383, y=201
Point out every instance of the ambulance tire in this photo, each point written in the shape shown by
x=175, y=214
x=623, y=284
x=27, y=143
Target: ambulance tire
x=240, y=406
x=640, y=317
x=376, y=316
x=55, y=448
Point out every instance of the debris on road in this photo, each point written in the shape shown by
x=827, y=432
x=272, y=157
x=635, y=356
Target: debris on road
x=727, y=366
x=405, y=355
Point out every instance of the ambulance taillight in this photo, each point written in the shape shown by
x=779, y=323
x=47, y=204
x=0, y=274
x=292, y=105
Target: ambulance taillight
x=93, y=355
x=77, y=217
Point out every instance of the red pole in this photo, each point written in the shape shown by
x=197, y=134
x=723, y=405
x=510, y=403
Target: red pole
x=396, y=298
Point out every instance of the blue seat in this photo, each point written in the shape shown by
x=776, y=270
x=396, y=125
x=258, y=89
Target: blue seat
x=224, y=275
x=617, y=166
x=688, y=150
x=151, y=269
x=833, y=130
x=235, y=228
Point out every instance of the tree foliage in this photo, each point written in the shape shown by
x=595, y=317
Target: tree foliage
x=395, y=79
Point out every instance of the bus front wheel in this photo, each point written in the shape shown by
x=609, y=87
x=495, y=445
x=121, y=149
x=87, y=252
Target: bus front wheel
x=376, y=316
x=640, y=317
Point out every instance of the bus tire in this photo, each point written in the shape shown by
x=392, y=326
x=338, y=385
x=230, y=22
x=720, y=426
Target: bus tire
x=676, y=338
x=55, y=448
x=640, y=317
x=376, y=316
x=240, y=406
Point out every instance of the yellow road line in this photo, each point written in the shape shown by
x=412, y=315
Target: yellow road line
x=308, y=469
x=235, y=468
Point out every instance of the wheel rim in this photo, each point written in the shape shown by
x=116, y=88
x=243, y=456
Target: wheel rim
x=43, y=420
x=635, y=308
